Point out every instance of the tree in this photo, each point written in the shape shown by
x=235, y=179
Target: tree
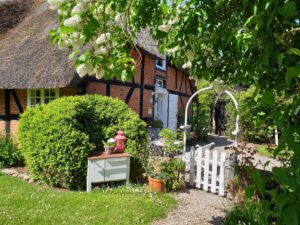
x=240, y=42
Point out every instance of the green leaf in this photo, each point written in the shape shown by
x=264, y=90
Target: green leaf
x=250, y=20
x=283, y=177
x=291, y=73
x=290, y=215
x=280, y=58
x=294, y=51
x=289, y=9
x=67, y=30
x=259, y=181
x=72, y=55
x=268, y=98
x=249, y=191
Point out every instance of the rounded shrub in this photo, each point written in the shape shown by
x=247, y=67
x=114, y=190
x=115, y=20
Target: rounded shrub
x=56, y=138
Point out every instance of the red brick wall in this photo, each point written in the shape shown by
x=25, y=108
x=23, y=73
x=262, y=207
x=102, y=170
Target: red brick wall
x=22, y=95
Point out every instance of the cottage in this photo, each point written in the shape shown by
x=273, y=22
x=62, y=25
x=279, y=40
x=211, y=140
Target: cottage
x=32, y=71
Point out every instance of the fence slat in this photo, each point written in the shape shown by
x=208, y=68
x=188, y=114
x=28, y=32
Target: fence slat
x=206, y=169
x=214, y=171
x=199, y=167
x=192, y=166
x=221, y=179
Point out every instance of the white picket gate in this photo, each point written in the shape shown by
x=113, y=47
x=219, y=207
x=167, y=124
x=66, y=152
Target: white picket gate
x=209, y=169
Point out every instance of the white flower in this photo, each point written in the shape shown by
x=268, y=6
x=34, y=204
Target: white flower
x=84, y=69
x=99, y=72
x=103, y=38
x=172, y=51
x=164, y=28
x=62, y=45
x=118, y=18
x=190, y=55
x=72, y=21
x=187, y=65
x=109, y=10
x=55, y=4
x=102, y=50
x=111, y=140
x=175, y=20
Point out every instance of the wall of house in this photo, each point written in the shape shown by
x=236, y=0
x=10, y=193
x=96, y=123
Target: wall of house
x=22, y=96
x=177, y=82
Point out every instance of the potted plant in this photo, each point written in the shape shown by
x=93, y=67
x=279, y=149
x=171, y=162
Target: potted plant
x=166, y=172
x=109, y=146
x=156, y=177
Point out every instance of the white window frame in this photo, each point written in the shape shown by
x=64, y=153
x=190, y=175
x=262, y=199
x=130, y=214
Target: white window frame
x=42, y=95
x=164, y=62
x=158, y=81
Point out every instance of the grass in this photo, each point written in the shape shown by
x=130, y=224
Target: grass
x=22, y=203
x=263, y=150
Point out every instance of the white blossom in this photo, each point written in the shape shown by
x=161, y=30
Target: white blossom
x=164, y=28
x=187, y=65
x=172, y=51
x=79, y=8
x=102, y=50
x=73, y=21
x=118, y=18
x=62, y=45
x=190, y=54
x=84, y=69
x=111, y=140
x=55, y=4
x=175, y=20
x=103, y=38
x=109, y=10
x=99, y=72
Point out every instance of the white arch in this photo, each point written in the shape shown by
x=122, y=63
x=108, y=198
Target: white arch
x=186, y=126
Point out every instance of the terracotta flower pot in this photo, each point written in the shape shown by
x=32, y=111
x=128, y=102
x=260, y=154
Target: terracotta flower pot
x=156, y=184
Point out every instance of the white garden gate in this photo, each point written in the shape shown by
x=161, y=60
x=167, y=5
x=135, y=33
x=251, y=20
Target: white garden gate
x=209, y=169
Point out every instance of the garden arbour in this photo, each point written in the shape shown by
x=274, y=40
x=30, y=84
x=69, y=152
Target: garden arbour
x=209, y=169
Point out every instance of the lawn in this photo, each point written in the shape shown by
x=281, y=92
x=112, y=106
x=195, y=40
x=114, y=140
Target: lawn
x=263, y=150
x=22, y=203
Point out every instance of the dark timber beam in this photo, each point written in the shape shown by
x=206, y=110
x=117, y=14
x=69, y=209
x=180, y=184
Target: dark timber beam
x=17, y=100
x=7, y=112
x=108, y=88
x=130, y=92
x=176, y=77
x=142, y=86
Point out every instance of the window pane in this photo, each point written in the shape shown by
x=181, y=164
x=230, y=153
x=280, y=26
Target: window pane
x=32, y=101
x=38, y=101
x=38, y=93
x=32, y=93
x=159, y=63
x=46, y=92
x=52, y=93
x=46, y=100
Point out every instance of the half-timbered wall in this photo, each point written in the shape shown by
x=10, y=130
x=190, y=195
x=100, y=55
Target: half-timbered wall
x=138, y=93
x=12, y=107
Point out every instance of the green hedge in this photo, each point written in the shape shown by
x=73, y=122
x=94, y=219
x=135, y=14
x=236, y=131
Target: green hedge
x=56, y=138
x=10, y=155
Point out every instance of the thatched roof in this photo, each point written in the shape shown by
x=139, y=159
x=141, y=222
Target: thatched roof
x=28, y=59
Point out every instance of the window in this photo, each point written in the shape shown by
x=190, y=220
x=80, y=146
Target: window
x=161, y=64
x=161, y=82
x=40, y=96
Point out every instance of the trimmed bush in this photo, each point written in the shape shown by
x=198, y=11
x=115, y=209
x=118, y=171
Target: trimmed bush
x=9, y=153
x=56, y=138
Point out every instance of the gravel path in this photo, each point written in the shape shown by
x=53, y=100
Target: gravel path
x=196, y=207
